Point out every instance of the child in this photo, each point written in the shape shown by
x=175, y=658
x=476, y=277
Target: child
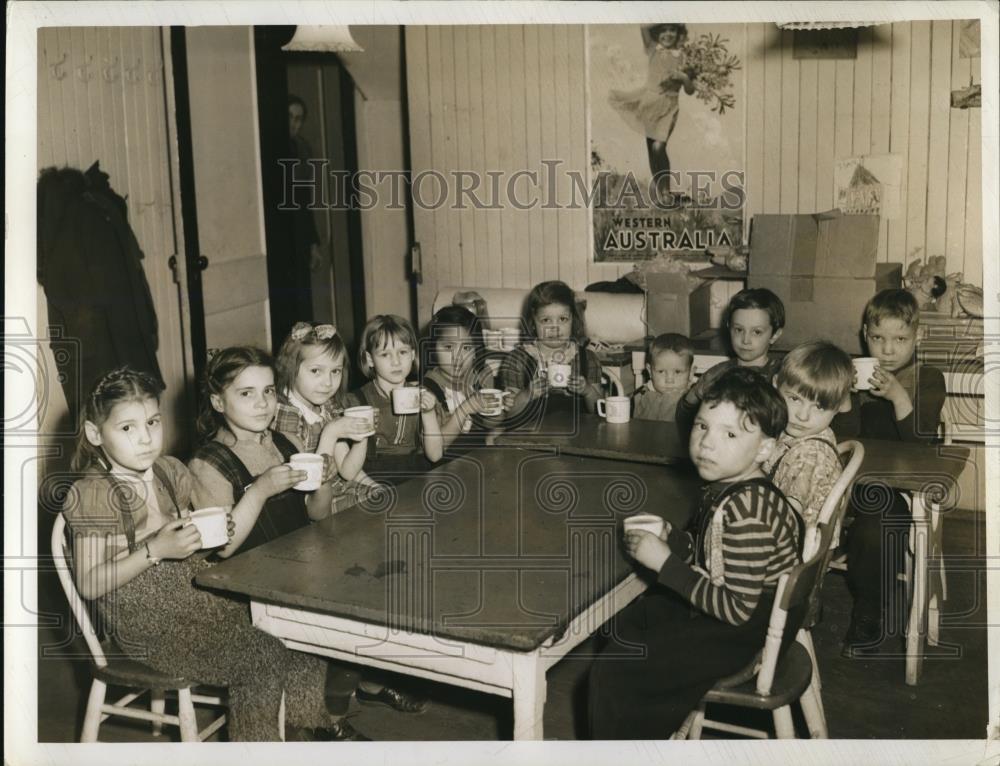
x=458, y=373
x=708, y=615
x=135, y=554
x=387, y=354
x=754, y=319
x=553, y=319
x=668, y=363
x=815, y=381
x=903, y=404
x=238, y=446
x=311, y=372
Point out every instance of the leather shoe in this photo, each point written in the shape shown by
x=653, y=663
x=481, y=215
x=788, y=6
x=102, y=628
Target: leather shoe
x=339, y=730
x=397, y=700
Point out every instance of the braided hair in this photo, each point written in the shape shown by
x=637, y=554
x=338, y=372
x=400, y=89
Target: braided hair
x=123, y=384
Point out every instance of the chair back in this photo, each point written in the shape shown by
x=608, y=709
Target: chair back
x=835, y=506
x=704, y=362
x=60, y=554
x=795, y=589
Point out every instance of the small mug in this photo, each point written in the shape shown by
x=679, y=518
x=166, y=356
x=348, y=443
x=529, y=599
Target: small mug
x=365, y=413
x=509, y=338
x=646, y=522
x=406, y=400
x=865, y=367
x=493, y=340
x=312, y=464
x=496, y=408
x=616, y=409
x=212, y=526
x=559, y=375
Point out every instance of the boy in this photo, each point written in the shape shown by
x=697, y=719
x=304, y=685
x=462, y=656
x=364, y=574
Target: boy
x=707, y=616
x=755, y=319
x=903, y=404
x=815, y=381
x=668, y=365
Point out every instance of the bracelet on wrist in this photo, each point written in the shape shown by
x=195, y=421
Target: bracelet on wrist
x=154, y=560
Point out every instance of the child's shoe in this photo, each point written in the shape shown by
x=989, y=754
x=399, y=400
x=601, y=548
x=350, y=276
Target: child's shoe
x=397, y=700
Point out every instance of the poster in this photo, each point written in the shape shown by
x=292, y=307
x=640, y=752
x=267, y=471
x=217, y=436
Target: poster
x=666, y=137
x=869, y=185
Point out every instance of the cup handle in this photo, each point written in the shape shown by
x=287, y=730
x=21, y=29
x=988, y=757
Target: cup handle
x=601, y=408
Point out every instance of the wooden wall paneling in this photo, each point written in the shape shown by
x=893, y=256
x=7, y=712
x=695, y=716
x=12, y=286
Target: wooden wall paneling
x=504, y=160
x=579, y=152
x=491, y=146
x=899, y=135
x=843, y=130
x=772, y=118
x=549, y=256
x=533, y=137
x=938, y=142
x=67, y=109
x=826, y=79
x=861, y=141
x=790, y=126
x=426, y=231
x=476, y=250
x=80, y=93
x=563, y=148
x=958, y=154
x=517, y=221
x=920, y=83
x=456, y=244
x=46, y=84
x=808, y=107
x=974, y=254
x=466, y=136
x=755, y=120
x=881, y=112
x=118, y=163
x=443, y=266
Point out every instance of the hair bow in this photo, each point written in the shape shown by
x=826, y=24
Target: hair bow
x=303, y=330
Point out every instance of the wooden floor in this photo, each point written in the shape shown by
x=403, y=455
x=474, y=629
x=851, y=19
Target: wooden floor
x=863, y=698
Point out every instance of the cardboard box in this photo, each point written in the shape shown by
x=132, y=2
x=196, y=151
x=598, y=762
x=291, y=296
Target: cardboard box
x=667, y=303
x=708, y=304
x=823, y=267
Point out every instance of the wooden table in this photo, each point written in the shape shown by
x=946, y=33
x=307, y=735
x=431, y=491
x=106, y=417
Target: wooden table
x=482, y=573
x=929, y=475
x=638, y=441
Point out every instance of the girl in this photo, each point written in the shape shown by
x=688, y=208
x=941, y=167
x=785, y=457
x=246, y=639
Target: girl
x=311, y=371
x=458, y=373
x=127, y=515
x=239, y=405
x=552, y=317
x=652, y=109
x=387, y=355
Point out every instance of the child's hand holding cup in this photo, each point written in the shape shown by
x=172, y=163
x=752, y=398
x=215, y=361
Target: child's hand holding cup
x=490, y=402
x=312, y=465
x=212, y=524
x=864, y=370
x=645, y=540
x=363, y=421
x=406, y=400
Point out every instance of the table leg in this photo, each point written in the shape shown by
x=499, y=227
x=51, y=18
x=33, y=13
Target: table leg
x=529, y=696
x=917, y=625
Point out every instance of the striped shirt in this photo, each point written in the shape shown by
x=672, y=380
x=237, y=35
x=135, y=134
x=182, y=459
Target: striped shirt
x=747, y=537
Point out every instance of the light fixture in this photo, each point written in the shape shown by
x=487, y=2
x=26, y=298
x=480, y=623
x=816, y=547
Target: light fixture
x=323, y=39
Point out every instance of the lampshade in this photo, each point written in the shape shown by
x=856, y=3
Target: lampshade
x=323, y=39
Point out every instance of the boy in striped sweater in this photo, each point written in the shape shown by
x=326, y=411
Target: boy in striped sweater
x=706, y=618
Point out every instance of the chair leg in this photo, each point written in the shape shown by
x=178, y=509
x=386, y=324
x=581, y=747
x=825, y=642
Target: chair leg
x=685, y=728
x=185, y=712
x=816, y=684
x=784, y=728
x=157, y=704
x=92, y=718
x=281, y=718
x=697, y=722
x=812, y=710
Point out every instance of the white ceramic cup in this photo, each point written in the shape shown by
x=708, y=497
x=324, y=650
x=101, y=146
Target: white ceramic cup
x=509, y=338
x=865, y=367
x=212, y=526
x=495, y=395
x=493, y=339
x=616, y=409
x=312, y=464
x=362, y=412
x=646, y=522
x=406, y=400
x=559, y=375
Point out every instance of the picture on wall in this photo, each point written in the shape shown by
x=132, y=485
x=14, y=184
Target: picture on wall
x=666, y=138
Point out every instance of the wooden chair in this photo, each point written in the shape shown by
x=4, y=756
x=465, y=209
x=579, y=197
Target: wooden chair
x=127, y=673
x=776, y=678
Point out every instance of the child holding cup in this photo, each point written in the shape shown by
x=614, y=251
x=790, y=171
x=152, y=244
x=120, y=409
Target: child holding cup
x=459, y=378
x=555, y=369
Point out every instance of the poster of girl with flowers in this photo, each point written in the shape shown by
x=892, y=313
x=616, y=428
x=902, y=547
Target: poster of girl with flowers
x=666, y=134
